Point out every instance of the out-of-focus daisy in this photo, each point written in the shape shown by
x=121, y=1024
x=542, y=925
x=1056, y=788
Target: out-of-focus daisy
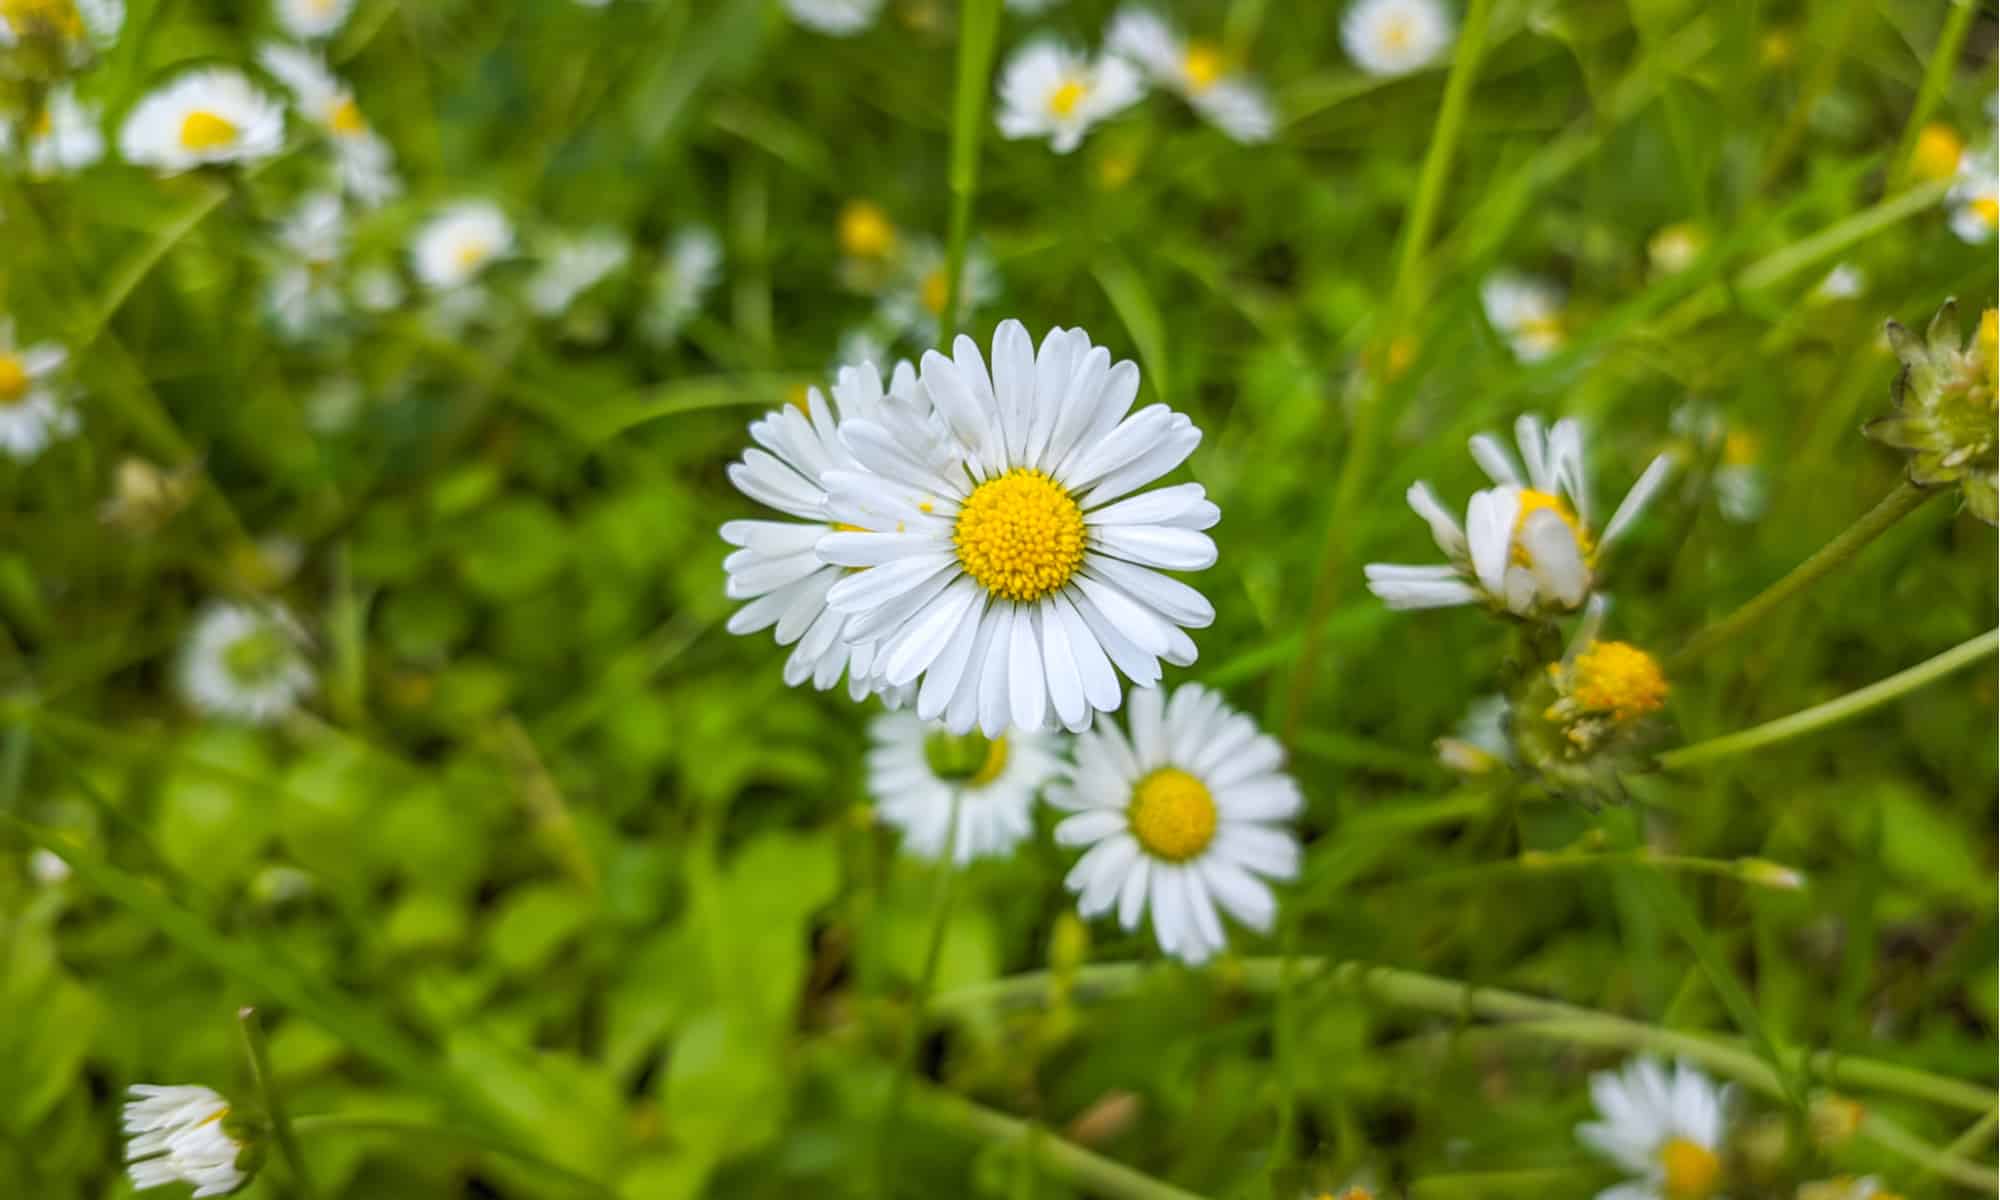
x=303, y=295
x=1665, y=1128
x=182, y=1134
x=837, y=18
x=1844, y=282
x=1187, y=814
x=1480, y=745
x=861, y=346
x=1013, y=563
x=78, y=27
x=313, y=19
x=1974, y=198
x=1936, y=154
x=32, y=412
x=206, y=117
x=1052, y=91
x=365, y=162
x=48, y=868
x=915, y=302
x=777, y=568
x=868, y=245
x=689, y=269
x=1675, y=247
x=454, y=247
x=916, y=768
x=1527, y=312
x=63, y=137
x=1198, y=70
x=575, y=265
x=1395, y=37
x=1528, y=546
x=245, y=661
x=1738, y=476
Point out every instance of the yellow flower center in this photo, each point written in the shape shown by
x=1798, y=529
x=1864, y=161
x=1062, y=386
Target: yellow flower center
x=13, y=379
x=470, y=253
x=1396, y=34
x=45, y=123
x=345, y=118
x=1063, y=101
x=931, y=293
x=865, y=231
x=1692, y=1169
x=1776, y=48
x=970, y=759
x=1937, y=151
x=1988, y=210
x=1020, y=535
x=46, y=18
x=1533, y=502
x=1172, y=814
x=1618, y=678
x=1741, y=449
x=1202, y=64
x=996, y=762
x=1545, y=330
x=204, y=130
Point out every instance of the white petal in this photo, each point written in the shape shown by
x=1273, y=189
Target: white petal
x=1489, y=529
x=1634, y=505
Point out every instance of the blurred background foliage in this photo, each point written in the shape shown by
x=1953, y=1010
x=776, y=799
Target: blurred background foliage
x=555, y=857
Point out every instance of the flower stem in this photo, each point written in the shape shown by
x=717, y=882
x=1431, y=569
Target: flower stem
x=979, y=27
x=1852, y=704
x=274, y=1108
x=1937, y=76
x=417, y=1130
x=942, y=896
x=1904, y=500
x=1067, y=1161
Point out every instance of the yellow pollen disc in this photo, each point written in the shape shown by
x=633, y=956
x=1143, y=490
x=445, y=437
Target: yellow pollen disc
x=1202, y=64
x=1618, y=678
x=1533, y=502
x=1937, y=151
x=1063, y=101
x=13, y=380
x=932, y=292
x=996, y=762
x=1988, y=208
x=346, y=119
x=1020, y=535
x=469, y=254
x=1740, y=449
x=865, y=231
x=1692, y=1169
x=204, y=130
x=42, y=17
x=1172, y=815
x=1548, y=329
x=1776, y=48
x=45, y=123
x=1396, y=34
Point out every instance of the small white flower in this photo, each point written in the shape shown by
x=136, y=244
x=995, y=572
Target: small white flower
x=574, y=266
x=1844, y=282
x=1528, y=545
x=313, y=19
x=246, y=662
x=915, y=300
x=1008, y=555
x=178, y=1135
x=1974, y=198
x=1395, y=37
x=1227, y=99
x=453, y=247
x=364, y=160
x=83, y=25
x=915, y=768
x=1187, y=814
x=63, y=137
x=1051, y=91
x=32, y=412
x=47, y=868
x=1527, y=312
x=303, y=296
x=206, y=117
x=1665, y=1129
x=689, y=269
x=836, y=18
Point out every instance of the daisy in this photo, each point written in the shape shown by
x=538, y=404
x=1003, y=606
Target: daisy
x=48, y=868
x=245, y=662
x=1666, y=1129
x=310, y=20
x=1186, y=815
x=32, y=413
x=1197, y=70
x=1395, y=37
x=302, y=296
x=456, y=245
x=1528, y=545
x=689, y=269
x=1013, y=561
x=365, y=162
x=917, y=771
x=1844, y=282
x=776, y=567
x=1527, y=312
x=81, y=26
x=1051, y=91
x=1675, y=247
x=206, y=117
x=837, y=18
x=182, y=1134
x=915, y=303
x=63, y=137
x=573, y=267
x=1975, y=197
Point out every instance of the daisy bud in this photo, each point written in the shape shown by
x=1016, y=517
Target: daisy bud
x=1765, y=873
x=1944, y=408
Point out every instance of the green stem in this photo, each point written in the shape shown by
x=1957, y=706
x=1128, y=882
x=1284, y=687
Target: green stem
x=1063, y=1159
x=979, y=26
x=1893, y=1137
x=1852, y=704
x=274, y=1107
x=1817, y=84
x=1937, y=75
x=941, y=904
x=417, y=1130
x=1904, y=500
x=1965, y=1143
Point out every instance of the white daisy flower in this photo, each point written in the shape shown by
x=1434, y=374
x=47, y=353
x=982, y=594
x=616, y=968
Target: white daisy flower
x=1051, y=91
x=1666, y=1129
x=48, y=868
x=836, y=18
x=310, y=20
x=302, y=296
x=915, y=302
x=81, y=25
x=246, y=662
x=32, y=412
x=1974, y=198
x=206, y=117
x=916, y=767
x=181, y=1134
x=63, y=137
x=1227, y=99
x=1186, y=815
x=1395, y=37
x=689, y=269
x=1527, y=312
x=574, y=266
x=776, y=568
x=1013, y=563
x=456, y=245
x=1844, y=282
x=1528, y=546
x=364, y=160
